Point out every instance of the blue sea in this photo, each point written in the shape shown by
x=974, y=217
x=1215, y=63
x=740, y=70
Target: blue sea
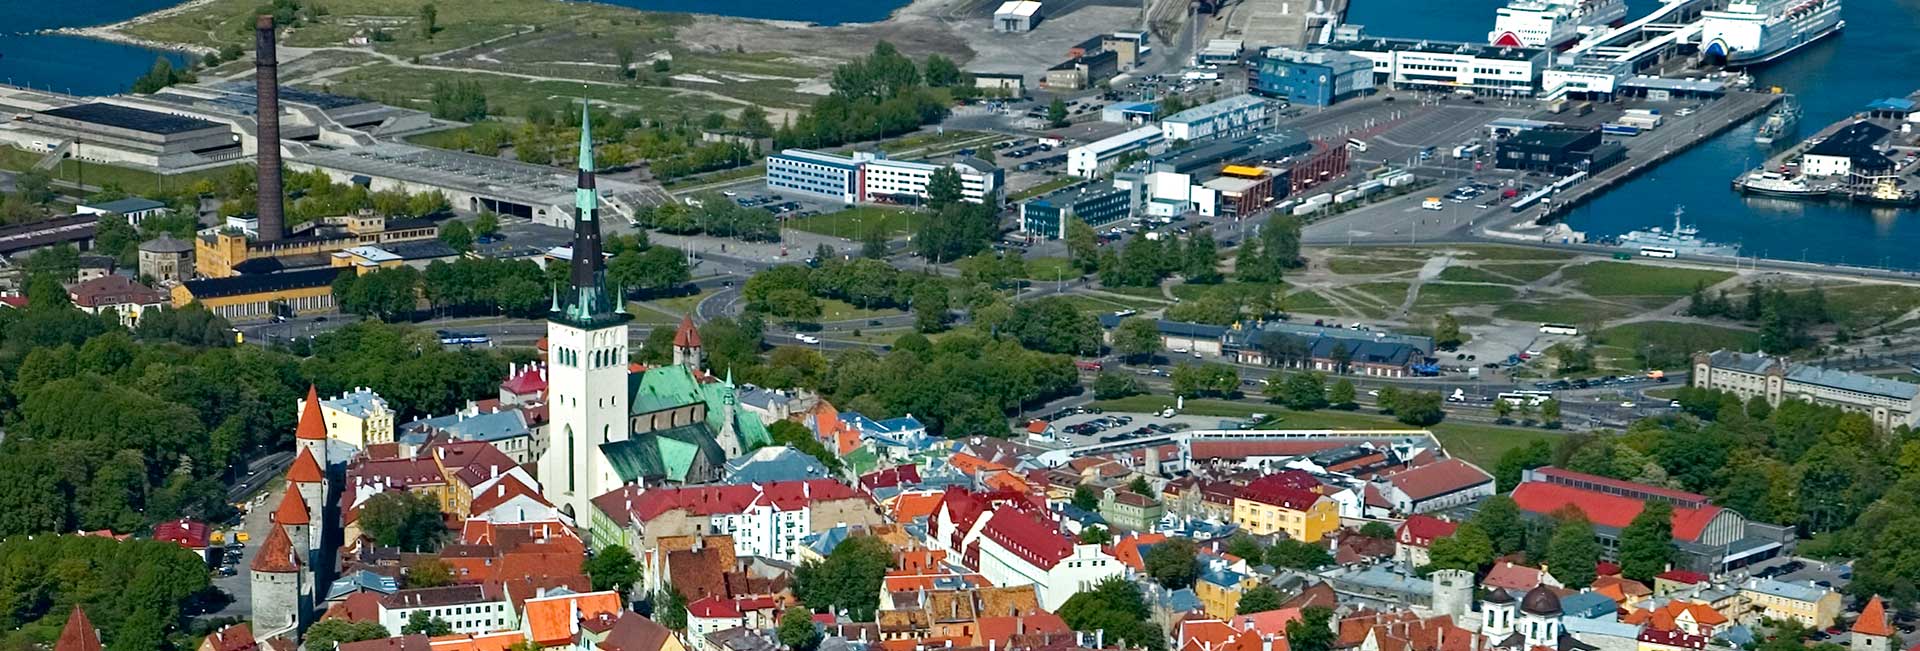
x=1874, y=57
x=82, y=66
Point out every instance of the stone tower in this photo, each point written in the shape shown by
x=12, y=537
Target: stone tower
x=278, y=592
x=78, y=634
x=1452, y=592
x=310, y=481
x=293, y=516
x=1497, y=615
x=1871, y=632
x=311, y=433
x=686, y=345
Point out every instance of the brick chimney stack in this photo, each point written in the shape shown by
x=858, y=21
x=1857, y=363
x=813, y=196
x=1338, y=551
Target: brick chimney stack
x=266, y=85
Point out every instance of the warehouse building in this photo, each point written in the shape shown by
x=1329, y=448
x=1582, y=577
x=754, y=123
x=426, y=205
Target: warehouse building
x=1101, y=156
x=225, y=252
x=1099, y=205
x=1228, y=118
x=242, y=298
x=1312, y=77
x=110, y=133
x=1016, y=16
x=1450, y=66
x=1557, y=151
x=1083, y=71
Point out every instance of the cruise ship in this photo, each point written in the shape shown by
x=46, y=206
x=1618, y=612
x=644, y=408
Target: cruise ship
x=1779, y=123
x=1553, y=23
x=1752, y=32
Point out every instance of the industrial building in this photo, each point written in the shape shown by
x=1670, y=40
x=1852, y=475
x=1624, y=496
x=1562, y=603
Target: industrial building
x=1083, y=71
x=1099, y=205
x=226, y=252
x=242, y=298
x=1848, y=152
x=120, y=135
x=1312, y=77
x=1130, y=112
x=1557, y=151
x=1220, y=51
x=132, y=209
x=871, y=177
x=1228, y=118
x=1450, y=66
x=1016, y=16
x=473, y=183
x=1000, y=84
x=1099, y=157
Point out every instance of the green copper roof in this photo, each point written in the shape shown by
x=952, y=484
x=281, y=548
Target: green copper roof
x=584, y=198
x=677, y=457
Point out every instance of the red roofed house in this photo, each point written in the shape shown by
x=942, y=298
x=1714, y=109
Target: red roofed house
x=1435, y=486
x=1415, y=536
x=1690, y=617
x=121, y=294
x=238, y=637
x=712, y=614
x=556, y=621
x=78, y=634
x=524, y=384
x=1702, y=532
x=186, y=533
x=1017, y=548
x=1276, y=504
x=766, y=520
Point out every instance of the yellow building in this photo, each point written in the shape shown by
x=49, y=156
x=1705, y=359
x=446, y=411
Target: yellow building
x=358, y=418
x=1219, y=591
x=1264, y=508
x=1810, y=605
x=218, y=254
x=241, y=298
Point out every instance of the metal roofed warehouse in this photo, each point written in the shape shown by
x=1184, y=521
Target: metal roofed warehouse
x=473, y=183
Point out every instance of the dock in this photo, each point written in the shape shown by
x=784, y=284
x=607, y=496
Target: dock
x=1648, y=151
x=1853, y=160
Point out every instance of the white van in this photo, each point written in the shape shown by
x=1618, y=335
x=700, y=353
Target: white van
x=1433, y=203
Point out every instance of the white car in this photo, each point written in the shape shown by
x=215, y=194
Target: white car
x=807, y=338
x=1373, y=392
x=1628, y=404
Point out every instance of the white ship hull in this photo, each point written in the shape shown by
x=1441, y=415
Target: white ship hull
x=1551, y=24
x=1746, y=34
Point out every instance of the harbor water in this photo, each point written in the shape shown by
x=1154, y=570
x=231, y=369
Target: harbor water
x=1872, y=58
x=81, y=66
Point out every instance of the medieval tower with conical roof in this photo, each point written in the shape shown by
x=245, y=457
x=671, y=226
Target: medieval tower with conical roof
x=586, y=360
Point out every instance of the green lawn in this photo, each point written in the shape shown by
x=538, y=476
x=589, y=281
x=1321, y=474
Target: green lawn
x=1477, y=443
x=1573, y=311
x=1389, y=294
x=683, y=304
x=1498, y=252
x=1354, y=266
x=1308, y=301
x=1865, y=306
x=1045, y=269
x=918, y=140
x=1043, y=188
x=1188, y=292
x=1150, y=293
x=833, y=309
x=96, y=174
x=1524, y=271
x=1608, y=278
x=854, y=223
x=1672, y=344
x=1099, y=304
x=1473, y=275
x=643, y=314
x=1451, y=294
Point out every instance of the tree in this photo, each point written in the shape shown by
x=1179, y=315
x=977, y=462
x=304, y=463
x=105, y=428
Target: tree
x=1377, y=530
x=1083, y=246
x=797, y=631
x=1550, y=412
x=613, y=568
x=1280, y=238
x=1260, y=599
x=1057, y=113
x=1136, y=338
x=1573, y=551
x=1467, y=548
x=456, y=236
x=1417, y=408
x=1499, y=519
x=874, y=245
x=849, y=578
x=429, y=20
x=930, y=307
x=623, y=57
x=654, y=270
x=670, y=608
x=1085, y=499
x=1298, y=555
x=1174, y=563
x=421, y=623
x=1516, y=461
x=1202, y=259
x=1303, y=391
x=429, y=573
x=1140, y=486
x=944, y=188
x=1446, y=331
x=486, y=225
x=1113, y=384
x=1646, y=545
x=1095, y=535
x=1312, y=632
x=1502, y=410
x=1343, y=395
x=327, y=633
x=409, y=521
x=942, y=72
x=1117, y=610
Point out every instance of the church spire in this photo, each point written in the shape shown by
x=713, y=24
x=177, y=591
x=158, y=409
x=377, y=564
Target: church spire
x=587, y=301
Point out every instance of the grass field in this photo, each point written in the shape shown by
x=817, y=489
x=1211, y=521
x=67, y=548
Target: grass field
x=854, y=223
x=1099, y=304
x=506, y=95
x=1149, y=293
x=1047, y=269
x=644, y=314
x=1607, y=278
x=1043, y=188
x=1525, y=271
x=1865, y=306
x=1355, y=266
x=1389, y=294
x=1497, y=252
x=1670, y=343
x=96, y=174
x=1473, y=275
x=1572, y=311
x=1450, y=294
x=683, y=304
x=1308, y=301
x=1477, y=443
x=1187, y=292
x=833, y=309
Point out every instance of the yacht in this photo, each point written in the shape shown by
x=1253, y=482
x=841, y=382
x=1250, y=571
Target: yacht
x=1553, y=23
x=1779, y=123
x=1752, y=32
x=1775, y=184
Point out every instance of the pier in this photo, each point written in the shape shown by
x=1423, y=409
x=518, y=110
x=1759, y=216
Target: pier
x=1654, y=147
x=1855, y=159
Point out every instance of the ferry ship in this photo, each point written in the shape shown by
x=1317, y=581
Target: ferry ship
x=1774, y=184
x=1684, y=239
x=1553, y=23
x=1780, y=122
x=1752, y=32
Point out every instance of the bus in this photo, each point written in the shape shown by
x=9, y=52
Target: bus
x=1658, y=252
x=451, y=338
x=1534, y=398
x=1558, y=329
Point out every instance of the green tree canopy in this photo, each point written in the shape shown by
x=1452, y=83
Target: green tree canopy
x=612, y=568
x=1573, y=551
x=1116, y=608
x=849, y=578
x=407, y=520
x=1646, y=545
x=796, y=630
x=1174, y=564
x=1298, y=555
x=1260, y=599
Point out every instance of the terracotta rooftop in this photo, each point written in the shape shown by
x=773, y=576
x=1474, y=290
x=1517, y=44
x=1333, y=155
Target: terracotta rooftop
x=1873, y=619
x=306, y=469
x=686, y=336
x=313, y=426
x=292, y=511
x=277, y=554
x=78, y=634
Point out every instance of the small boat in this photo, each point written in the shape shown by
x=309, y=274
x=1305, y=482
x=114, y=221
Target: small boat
x=1780, y=122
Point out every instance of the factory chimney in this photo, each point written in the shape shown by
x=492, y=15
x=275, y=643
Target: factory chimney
x=266, y=87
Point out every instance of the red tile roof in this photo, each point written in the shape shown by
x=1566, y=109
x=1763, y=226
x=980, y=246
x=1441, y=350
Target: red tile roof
x=1673, y=637
x=313, y=427
x=1030, y=539
x=187, y=533
x=905, y=473
x=714, y=607
x=305, y=469
x=79, y=633
x=362, y=606
x=1127, y=549
x=1438, y=478
x=1873, y=619
x=909, y=506
x=550, y=620
x=633, y=632
x=531, y=380
x=1608, y=484
x=1607, y=510
x=633, y=502
x=1512, y=577
x=500, y=492
x=1686, y=577
x=113, y=290
x=238, y=637
x=686, y=336
x=277, y=555
x=292, y=511
x=1421, y=530
x=1281, y=491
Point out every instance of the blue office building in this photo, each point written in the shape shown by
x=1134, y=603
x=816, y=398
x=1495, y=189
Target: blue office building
x=1097, y=205
x=1312, y=77
x=816, y=173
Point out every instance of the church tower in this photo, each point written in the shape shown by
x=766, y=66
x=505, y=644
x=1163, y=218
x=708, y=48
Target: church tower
x=686, y=345
x=586, y=360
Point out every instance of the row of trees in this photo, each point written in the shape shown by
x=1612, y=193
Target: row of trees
x=1307, y=390
x=881, y=95
x=1144, y=262
x=1266, y=256
x=711, y=214
x=1784, y=317
x=1504, y=411
x=518, y=288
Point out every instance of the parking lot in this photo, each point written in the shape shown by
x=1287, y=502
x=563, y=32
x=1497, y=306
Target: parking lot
x=1087, y=428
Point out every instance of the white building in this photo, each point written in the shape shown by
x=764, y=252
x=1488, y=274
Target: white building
x=1017, y=548
x=1016, y=16
x=1099, y=157
x=885, y=178
x=1230, y=117
x=467, y=608
x=1889, y=403
x=1170, y=194
x=1451, y=66
x=865, y=177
